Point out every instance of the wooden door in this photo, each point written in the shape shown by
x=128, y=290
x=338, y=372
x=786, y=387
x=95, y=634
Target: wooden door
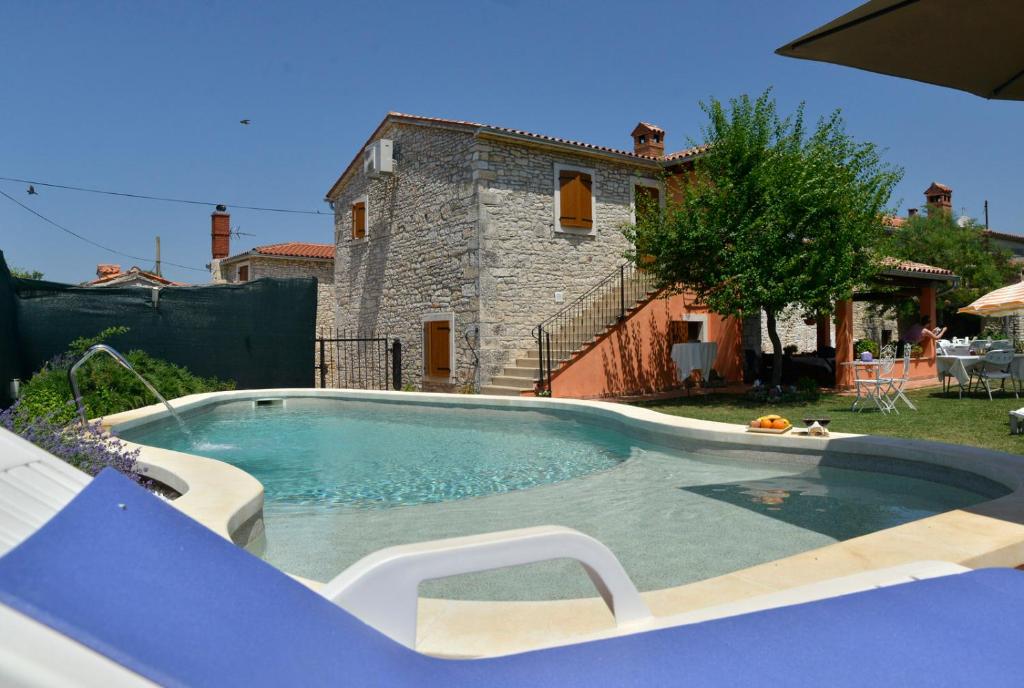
x=438, y=353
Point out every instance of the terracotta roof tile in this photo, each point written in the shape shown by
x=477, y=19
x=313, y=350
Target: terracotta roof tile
x=297, y=249
x=910, y=266
x=135, y=270
x=520, y=132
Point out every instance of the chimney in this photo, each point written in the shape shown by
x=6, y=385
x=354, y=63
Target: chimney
x=911, y=212
x=648, y=140
x=107, y=270
x=939, y=196
x=220, y=232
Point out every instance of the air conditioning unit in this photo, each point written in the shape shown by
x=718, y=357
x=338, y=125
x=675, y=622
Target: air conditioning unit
x=377, y=158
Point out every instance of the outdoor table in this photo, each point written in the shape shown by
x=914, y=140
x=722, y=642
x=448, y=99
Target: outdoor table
x=873, y=391
x=694, y=355
x=961, y=367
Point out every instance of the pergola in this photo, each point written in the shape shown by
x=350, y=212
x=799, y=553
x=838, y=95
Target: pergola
x=901, y=279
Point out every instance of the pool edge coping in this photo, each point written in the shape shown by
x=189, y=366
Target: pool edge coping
x=988, y=534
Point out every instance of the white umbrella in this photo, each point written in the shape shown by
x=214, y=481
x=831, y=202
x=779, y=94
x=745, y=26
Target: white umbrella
x=1003, y=301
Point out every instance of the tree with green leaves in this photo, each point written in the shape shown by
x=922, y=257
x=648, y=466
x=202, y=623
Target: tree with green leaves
x=963, y=246
x=26, y=274
x=773, y=215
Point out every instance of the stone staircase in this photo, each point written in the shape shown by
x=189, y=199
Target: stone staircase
x=575, y=328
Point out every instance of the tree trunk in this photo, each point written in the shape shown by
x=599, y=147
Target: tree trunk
x=773, y=334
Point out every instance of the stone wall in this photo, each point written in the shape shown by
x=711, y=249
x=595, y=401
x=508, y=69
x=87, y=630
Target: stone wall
x=420, y=256
x=793, y=330
x=226, y=270
x=524, y=260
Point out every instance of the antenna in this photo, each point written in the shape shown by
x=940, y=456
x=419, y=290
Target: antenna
x=156, y=270
x=986, y=213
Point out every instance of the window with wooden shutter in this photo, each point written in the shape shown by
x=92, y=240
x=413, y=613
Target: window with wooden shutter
x=243, y=273
x=437, y=337
x=646, y=198
x=359, y=220
x=575, y=200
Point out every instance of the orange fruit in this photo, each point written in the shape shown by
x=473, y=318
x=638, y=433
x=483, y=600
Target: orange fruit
x=755, y=423
x=766, y=424
x=780, y=424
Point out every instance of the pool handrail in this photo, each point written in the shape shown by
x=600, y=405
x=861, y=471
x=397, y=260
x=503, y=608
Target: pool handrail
x=123, y=362
x=382, y=588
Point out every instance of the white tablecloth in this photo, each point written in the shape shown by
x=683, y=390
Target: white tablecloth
x=960, y=367
x=699, y=355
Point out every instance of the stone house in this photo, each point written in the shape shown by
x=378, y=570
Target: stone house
x=290, y=259
x=460, y=238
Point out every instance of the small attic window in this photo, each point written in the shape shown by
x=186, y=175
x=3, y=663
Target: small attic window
x=657, y=138
x=642, y=138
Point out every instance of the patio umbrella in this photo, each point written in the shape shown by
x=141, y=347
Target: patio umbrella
x=971, y=45
x=1004, y=301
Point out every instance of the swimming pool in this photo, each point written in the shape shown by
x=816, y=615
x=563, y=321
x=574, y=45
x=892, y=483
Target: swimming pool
x=345, y=477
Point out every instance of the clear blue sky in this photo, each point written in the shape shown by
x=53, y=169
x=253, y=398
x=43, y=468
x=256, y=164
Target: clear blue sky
x=146, y=97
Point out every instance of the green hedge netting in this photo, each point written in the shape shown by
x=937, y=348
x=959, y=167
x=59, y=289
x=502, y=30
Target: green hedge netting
x=259, y=334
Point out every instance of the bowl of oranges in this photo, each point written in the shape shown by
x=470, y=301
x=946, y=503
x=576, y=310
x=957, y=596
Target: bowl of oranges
x=772, y=424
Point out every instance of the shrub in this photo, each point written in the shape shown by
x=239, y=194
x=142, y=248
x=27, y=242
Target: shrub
x=807, y=389
x=106, y=387
x=867, y=345
x=87, y=448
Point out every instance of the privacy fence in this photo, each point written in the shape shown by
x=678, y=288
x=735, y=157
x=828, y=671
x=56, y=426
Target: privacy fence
x=257, y=333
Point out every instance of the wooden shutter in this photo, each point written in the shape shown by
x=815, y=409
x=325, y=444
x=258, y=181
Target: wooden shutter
x=575, y=200
x=438, y=352
x=243, y=273
x=358, y=220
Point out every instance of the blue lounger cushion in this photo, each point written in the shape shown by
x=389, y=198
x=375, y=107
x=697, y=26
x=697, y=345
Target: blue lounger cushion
x=133, y=578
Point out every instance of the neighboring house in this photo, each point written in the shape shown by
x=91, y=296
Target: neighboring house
x=460, y=238
x=291, y=259
x=110, y=275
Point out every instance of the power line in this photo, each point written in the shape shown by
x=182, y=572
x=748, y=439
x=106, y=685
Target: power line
x=163, y=198
x=90, y=241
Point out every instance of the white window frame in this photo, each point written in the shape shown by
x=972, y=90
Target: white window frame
x=365, y=200
x=238, y=271
x=438, y=317
x=559, y=168
x=644, y=181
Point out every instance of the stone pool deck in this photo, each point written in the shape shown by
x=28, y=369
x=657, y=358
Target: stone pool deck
x=230, y=502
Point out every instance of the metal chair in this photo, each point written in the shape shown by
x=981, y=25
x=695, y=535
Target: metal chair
x=873, y=388
x=996, y=366
x=894, y=390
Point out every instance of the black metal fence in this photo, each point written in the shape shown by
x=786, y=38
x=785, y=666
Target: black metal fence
x=580, y=322
x=348, y=361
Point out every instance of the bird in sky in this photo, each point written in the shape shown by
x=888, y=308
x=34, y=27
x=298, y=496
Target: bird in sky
x=32, y=190
x=243, y=121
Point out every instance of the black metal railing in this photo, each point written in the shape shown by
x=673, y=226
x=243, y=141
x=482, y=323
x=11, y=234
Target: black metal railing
x=347, y=361
x=579, y=323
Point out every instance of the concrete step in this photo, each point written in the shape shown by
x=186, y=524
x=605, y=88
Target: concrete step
x=509, y=381
x=528, y=372
x=500, y=390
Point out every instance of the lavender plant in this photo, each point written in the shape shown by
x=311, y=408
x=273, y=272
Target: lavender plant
x=89, y=448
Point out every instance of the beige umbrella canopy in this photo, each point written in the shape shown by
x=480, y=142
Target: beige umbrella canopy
x=1004, y=301
x=971, y=45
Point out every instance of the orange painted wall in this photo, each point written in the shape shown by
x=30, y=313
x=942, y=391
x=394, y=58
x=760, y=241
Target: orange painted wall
x=635, y=357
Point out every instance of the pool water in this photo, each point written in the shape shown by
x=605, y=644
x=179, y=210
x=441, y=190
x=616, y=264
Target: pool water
x=344, y=478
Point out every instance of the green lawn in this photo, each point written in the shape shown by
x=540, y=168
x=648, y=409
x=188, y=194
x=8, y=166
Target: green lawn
x=944, y=418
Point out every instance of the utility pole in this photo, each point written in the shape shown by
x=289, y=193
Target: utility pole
x=157, y=268
x=986, y=213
